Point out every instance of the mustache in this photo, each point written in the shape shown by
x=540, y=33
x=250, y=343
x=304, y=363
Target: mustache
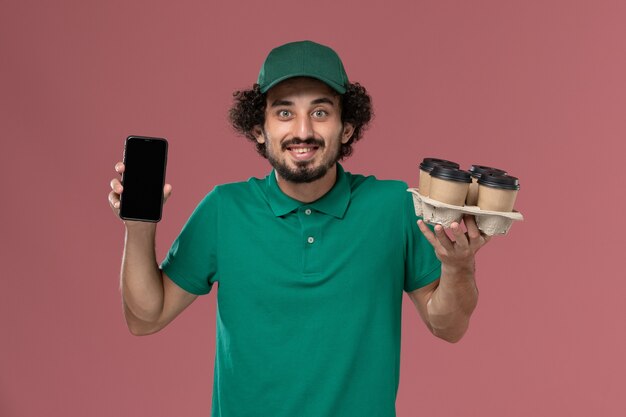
x=297, y=141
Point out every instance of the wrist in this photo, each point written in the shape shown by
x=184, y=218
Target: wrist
x=458, y=272
x=139, y=227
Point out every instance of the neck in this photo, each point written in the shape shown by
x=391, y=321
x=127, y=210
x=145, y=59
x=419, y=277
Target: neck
x=309, y=191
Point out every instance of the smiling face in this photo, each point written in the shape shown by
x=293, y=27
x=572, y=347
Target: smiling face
x=303, y=131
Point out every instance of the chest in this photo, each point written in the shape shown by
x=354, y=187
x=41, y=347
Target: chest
x=308, y=253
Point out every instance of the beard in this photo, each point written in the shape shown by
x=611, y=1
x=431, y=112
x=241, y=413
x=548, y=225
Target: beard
x=304, y=171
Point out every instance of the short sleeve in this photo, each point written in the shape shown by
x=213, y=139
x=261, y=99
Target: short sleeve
x=191, y=261
x=422, y=266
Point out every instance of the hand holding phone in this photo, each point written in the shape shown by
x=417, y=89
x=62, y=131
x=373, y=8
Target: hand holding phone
x=142, y=191
x=116, y=187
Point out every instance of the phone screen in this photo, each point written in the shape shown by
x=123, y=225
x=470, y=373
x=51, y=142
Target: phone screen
x=145, y=159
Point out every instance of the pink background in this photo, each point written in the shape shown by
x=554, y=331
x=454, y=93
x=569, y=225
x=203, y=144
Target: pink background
x=536, y=87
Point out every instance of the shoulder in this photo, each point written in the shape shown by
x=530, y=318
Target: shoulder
x=372, y=187
x=239, y=189
x=234, y=194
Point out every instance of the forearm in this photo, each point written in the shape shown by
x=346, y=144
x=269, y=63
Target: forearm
x=141, y=281
x=452, y=303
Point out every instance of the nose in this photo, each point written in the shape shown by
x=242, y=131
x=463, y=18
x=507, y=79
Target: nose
x=303, y=127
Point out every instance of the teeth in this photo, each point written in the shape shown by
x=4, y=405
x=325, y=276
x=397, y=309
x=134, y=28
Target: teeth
x=303, y=150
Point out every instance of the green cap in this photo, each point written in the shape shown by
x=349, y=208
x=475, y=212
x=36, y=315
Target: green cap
x=303, y=59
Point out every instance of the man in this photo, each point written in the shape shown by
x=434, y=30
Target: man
x=311, y=261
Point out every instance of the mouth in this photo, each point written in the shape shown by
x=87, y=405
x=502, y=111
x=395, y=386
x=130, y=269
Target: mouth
x=302, y=152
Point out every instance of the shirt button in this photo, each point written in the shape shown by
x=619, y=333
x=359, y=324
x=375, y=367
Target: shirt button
x=311, y=239
x=307, y=212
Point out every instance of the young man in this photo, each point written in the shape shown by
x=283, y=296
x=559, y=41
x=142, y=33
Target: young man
x=311, y=261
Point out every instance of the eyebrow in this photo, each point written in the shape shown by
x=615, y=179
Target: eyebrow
x=321, y=100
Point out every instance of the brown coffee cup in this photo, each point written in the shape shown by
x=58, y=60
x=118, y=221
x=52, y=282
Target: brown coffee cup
x=497, y=192
x=426, y=167
x=476, y=171
x=449, y=185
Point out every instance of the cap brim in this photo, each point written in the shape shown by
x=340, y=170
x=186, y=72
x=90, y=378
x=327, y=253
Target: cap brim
x=337, y=87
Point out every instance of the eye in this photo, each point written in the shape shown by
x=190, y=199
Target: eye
x=320, y=113
x=284, y=114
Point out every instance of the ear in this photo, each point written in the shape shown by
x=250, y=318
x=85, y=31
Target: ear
x=257, y=131
x=348, y=130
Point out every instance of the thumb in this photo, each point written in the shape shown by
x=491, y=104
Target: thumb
x=167, y=191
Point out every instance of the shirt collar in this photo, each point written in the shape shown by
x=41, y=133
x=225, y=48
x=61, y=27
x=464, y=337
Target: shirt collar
x=334, y=202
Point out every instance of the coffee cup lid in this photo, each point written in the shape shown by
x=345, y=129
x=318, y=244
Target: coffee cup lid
x=505, y=182
x=450, y=173
x=429, y=163
x=478, y=170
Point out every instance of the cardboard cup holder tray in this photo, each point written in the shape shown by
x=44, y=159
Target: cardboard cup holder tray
x=489, y=222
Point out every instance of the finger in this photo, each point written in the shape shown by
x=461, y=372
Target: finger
x=116, y=186
x=472, y=228
x=428, y=234
x=443, y=238
x=167, y=191
x=477, y=239
x=119, y=167
x=114, y=200
x=459, y=235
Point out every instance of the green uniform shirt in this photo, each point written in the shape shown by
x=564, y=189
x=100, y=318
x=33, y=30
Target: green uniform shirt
x=310, y=295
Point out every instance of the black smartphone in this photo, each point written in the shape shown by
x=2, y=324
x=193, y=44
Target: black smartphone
x=145, y=159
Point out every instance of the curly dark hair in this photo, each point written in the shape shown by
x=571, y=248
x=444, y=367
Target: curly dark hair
x=248, y=111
